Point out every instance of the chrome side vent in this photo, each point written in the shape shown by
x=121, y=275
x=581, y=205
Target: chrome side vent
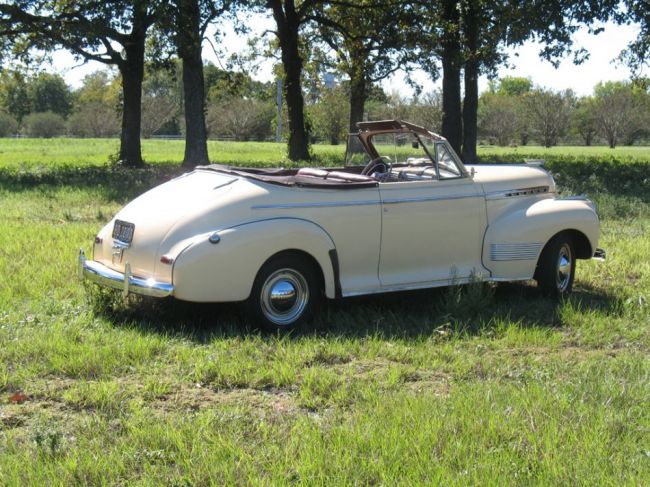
x=522, y=251
x=509, y=193
x=526, y=191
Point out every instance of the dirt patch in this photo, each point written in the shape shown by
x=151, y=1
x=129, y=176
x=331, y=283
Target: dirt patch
x=437, y=387
x=196, y=398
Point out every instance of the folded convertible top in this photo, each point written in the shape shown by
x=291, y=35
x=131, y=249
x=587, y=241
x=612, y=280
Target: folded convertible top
x=334, y=178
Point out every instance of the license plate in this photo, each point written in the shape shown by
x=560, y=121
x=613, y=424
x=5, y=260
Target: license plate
x=123, y=231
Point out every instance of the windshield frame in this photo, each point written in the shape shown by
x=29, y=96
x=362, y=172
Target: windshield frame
x=369, y=129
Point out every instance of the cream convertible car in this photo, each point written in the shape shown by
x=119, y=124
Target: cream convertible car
x=403, y=213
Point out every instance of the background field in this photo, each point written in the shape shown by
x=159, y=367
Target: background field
x=468, y=385
x=49, y=153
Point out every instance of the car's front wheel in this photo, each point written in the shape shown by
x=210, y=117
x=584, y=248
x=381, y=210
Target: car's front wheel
x=285, y=294
x=557, y=266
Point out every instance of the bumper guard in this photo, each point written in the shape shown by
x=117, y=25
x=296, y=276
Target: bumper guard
x=104, y=276
x=599, y=254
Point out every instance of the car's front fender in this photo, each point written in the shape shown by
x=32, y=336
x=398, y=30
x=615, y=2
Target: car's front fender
x=225, y=271
x=515, y=239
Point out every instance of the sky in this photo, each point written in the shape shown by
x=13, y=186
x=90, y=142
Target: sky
x=524, y=62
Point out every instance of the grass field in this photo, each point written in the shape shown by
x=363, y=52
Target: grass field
x=471, y=385
x=27, y=154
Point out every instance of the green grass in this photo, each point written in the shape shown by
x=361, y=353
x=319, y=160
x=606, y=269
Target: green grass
x=51, y=153
x=633, y=153
x=472, y=385
x=30, y=154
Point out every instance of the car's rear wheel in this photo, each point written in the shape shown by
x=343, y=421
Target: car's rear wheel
x=557, y=266
x=285, y=294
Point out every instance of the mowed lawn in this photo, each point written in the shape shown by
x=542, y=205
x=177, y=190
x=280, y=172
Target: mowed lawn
x=470, y=385
x=30, y=154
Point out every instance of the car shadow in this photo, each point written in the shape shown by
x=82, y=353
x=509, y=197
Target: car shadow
x=454, y=311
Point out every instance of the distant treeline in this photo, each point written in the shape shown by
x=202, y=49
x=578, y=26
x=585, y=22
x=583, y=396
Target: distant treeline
x=511, y=112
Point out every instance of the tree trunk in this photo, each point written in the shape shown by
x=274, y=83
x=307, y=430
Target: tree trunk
x=470, y=112
x=189, y=50
x=470, y=103
x=132, y=71
x=451, y=55
x=612, y=141
x=358, y=95
x=288, y=24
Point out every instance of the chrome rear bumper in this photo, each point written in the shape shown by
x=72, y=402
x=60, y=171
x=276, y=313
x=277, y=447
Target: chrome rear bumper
x=104, y=276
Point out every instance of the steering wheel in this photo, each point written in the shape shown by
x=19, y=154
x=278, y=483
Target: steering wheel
x=382, y=164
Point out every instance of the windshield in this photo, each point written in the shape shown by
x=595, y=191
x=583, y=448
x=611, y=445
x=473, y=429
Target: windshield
x=404, y=147
x=356, y=154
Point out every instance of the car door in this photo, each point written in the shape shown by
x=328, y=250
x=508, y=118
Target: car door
x=432, y=229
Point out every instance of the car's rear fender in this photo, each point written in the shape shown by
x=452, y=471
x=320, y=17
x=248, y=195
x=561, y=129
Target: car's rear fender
x=225, y=271
x=515, y=239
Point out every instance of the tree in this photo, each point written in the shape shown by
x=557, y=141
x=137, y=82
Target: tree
x=224, y=84
x=45, y=124
x=49, y=93
x=99, y=86
x=289, y=19
x=95, y=110
x=13, y=94
x=500, y=117
x=426, y=110
x=473, y=34
x=636, y=54
x=370, y=41
x=161, y=98
x=331, y=114
x=451, y=65
x=585, y=121
x=549, y=113
x=8, y=125
x=616, y=110
x=92, y=31
x=191, y=18
x=93, y=119
x=240, y=118
x=514, y=86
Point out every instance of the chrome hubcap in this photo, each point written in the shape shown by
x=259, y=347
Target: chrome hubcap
x=284, y=296
x=564, y=265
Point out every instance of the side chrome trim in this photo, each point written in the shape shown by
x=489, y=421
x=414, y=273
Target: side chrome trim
x=417, y=285
x=322, y=204
x=580, y=197
x=387, y=201
x=523, y=251
x=396, y=201
x=127, y=283
x=509, y=193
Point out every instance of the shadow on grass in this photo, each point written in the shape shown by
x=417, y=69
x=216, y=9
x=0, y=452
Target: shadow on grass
x=592, y=175
x=468, y=310
x=118, y=182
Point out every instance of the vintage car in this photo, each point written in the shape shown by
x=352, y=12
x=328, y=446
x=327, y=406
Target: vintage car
x=402, y=213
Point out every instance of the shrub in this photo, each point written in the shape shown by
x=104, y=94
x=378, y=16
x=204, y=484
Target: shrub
x=8, y=125
x=45, y=124
x=589, y=174
x=240, y=118
x=94, y=119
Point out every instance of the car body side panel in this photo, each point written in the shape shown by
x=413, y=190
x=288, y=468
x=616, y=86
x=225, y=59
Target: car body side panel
x=515, y=238
x=225, y=271
x=352, y=218
x=431, y=231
